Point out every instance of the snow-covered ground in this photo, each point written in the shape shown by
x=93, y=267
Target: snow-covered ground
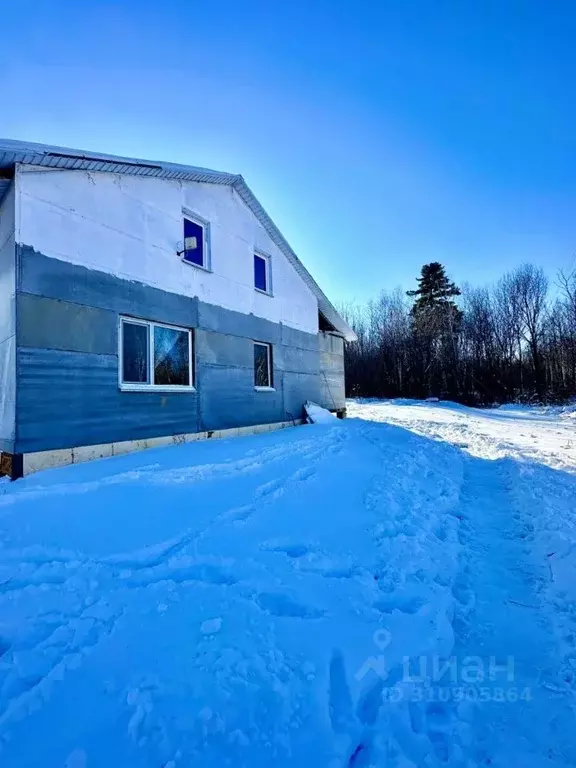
x=396, y=589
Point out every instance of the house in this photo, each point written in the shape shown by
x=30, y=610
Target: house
x=143, y=303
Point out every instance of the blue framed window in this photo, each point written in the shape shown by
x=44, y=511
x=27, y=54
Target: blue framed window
x=195, y=243
x=262, y=273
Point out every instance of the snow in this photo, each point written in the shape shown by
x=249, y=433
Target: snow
x=211, y=626
x=317, y=414
x=293, y=598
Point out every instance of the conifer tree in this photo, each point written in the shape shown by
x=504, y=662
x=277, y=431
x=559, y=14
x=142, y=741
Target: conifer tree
x=436, y=323
x=435, y=290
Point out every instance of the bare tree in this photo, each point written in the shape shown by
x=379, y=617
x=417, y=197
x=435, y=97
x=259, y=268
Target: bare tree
x=531, y=288
x=511, y=344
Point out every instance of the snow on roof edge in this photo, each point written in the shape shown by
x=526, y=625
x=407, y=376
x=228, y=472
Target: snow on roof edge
x=13, y=151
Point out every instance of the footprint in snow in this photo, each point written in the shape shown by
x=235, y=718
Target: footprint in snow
x=437, y=714
x=386, y=530
x=292, y=550
x=273, y=488
x=441, y=533
x=282, y=605
x=409, y=605
x=303, y=474
x=240, y=514
x=337, y=571
x=359, y=722
x=463, y=594
x=180, y=573
x=315, y=562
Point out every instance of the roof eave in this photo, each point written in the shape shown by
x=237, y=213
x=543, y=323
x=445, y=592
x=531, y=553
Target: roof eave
x=324, y=304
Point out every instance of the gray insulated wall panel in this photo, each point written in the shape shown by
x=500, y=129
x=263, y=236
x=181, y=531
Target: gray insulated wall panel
x=67, y=356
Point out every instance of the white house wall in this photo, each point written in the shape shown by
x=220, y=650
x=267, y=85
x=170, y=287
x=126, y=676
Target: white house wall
x=130, y=226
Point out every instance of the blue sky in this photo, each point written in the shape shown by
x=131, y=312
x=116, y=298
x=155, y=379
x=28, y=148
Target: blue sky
x=378, y=136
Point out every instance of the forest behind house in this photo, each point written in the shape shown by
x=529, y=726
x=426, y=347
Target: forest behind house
x=514, y=341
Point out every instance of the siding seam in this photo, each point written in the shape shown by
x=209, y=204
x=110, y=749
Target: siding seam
x=130, y=279
x=71, y=352
x=198, y=308
x=103, y=309
x=221, y=366
x=197, y=327
x=22, y=345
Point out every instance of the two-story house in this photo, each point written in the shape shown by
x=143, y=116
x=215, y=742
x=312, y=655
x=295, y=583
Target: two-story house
x=147, y=302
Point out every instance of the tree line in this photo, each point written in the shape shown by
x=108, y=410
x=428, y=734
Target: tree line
x=514, y=341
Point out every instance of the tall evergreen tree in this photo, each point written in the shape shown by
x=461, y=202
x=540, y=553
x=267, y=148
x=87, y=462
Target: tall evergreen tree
x=434, y=289
x=436, y=322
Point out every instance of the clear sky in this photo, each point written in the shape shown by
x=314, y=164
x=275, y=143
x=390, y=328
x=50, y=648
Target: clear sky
x=378, y=135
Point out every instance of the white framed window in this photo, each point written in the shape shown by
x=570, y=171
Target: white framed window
x=154, y=356
x=196, y=241
x=263, y=364
x=262, y=273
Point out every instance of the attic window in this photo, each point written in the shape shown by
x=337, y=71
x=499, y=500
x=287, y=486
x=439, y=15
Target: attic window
x=195, y=242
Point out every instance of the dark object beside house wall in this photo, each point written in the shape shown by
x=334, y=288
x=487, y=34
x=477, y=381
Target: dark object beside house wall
x=67, y=391
x=12, y=465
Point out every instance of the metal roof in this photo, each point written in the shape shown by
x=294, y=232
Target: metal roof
x=13, y=152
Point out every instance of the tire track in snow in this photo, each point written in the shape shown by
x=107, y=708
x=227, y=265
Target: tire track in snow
x=73, y=563
x=150, y=557
x=155, y=474
x=274, y=489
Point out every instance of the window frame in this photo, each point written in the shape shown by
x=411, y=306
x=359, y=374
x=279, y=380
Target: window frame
x=267, y=259
x=270, y=359
x=151, y=386
x=206, y=252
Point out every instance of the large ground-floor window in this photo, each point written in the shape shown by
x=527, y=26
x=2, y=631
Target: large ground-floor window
x=154, y=356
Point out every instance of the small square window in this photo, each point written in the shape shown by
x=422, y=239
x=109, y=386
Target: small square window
x=195, y=243
x=261, y=273
x=262, y=365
